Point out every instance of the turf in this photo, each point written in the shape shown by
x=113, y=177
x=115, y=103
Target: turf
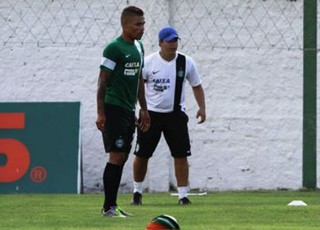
x=249, y=210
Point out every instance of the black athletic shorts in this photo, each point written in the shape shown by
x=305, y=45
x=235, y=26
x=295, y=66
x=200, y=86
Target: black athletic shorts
x=119, y=129
x=174, y=127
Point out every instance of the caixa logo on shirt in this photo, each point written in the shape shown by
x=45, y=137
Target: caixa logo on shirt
x=14, y=155
x=132, y=65
x=131, y=68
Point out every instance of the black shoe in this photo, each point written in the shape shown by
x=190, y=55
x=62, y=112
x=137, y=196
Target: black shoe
x=184, y=201
x=137, y=199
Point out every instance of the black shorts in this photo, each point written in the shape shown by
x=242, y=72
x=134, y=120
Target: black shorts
x=119, y=129
x=174, y=127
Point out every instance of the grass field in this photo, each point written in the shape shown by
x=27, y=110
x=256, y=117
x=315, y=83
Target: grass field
x=219, y=210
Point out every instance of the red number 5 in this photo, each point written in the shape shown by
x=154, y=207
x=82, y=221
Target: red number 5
x=16, y=153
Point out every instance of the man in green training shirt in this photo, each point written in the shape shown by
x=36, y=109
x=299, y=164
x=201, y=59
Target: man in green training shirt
x=119, y=86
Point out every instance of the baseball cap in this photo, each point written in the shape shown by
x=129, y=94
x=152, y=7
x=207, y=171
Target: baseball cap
x=167, y=34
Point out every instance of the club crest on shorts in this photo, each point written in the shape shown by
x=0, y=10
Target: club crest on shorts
x=119, y=142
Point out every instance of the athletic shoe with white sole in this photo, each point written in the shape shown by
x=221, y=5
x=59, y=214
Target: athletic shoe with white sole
x=137, y=199
x=127, y=214
x=114, y=211
x=184, y=201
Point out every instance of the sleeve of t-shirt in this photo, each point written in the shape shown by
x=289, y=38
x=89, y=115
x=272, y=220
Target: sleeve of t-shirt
x=109, y=57
x=192, y=73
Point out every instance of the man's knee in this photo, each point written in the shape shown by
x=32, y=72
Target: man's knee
x=118, y=158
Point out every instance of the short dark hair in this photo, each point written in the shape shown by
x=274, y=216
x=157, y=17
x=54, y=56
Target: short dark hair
x=131, y=11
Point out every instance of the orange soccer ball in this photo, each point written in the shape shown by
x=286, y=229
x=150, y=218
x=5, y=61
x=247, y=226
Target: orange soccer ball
x=156, y=226
x=163, y=222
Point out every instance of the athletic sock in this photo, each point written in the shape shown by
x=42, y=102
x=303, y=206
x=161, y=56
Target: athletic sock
x=111, y=181
x=119, y=180
x=137, y=187
x=183, y=192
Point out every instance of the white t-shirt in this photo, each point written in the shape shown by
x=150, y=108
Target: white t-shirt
x=160, y=77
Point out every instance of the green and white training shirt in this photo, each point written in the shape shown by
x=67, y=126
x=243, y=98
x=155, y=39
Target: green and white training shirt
x=124, y=60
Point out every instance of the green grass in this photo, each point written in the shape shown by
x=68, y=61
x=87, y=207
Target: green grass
x=218, y=211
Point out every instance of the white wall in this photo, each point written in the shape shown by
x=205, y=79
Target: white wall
x=252, y=138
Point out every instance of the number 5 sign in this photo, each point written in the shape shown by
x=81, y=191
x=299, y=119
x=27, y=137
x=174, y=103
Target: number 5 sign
x=40, y=147
x=16, y=154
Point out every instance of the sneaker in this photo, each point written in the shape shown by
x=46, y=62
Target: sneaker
x=137, y=199
x=112, y=212
x=184, y=201
x=123, y=212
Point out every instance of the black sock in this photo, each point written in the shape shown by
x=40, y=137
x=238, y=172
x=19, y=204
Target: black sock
x=119, y=180
x=111, y=181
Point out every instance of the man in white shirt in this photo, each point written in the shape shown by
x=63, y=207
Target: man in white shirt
x=165, y=74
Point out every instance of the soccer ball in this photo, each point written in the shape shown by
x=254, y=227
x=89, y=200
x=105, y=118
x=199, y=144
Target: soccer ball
x=163, y=222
